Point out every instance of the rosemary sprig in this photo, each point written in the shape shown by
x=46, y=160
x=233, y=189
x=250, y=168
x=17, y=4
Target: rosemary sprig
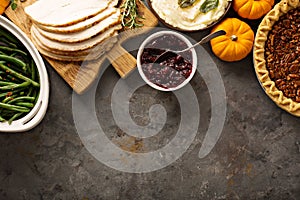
x=130, y=17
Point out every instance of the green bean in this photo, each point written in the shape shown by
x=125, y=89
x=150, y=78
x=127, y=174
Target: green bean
x=25, y=69
x=13, y=60
x=29, y=91
x=9, y=93
x=15, y=86
x=18, y=75
x=14, y=108
x=6, y=83
x=10, y=44
x=9, y=98
x=27, y=61
x=17, y=69
x=37, y=97
x=31, y=99
x=14, y=79
x=25, y=104
x=2, y=119
x=15, y=116
x=33, y=70
x=28, y=68
x=35, y=94
x=8, y=49
x=13, y=54
x=5, y=94
x=7, y=35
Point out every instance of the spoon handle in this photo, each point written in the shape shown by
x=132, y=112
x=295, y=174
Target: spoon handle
x=210, y=36
x=206, y=39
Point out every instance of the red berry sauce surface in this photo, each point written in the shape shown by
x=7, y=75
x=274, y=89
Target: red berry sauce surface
x=171, y=71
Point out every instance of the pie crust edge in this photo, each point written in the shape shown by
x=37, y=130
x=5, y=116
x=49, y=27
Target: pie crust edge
x=262, y=72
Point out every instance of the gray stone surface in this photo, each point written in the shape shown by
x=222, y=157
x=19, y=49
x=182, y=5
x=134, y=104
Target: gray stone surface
x=257, y=156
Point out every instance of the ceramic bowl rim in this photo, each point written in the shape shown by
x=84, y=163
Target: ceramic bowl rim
x=158, y=34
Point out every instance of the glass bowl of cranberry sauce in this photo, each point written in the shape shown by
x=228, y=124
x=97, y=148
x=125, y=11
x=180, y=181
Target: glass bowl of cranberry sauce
x=173, y=72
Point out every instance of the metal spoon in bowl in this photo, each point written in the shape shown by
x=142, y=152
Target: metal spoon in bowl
x=169, y=53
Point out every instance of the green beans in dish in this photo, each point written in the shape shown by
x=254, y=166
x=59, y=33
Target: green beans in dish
x=19, y=80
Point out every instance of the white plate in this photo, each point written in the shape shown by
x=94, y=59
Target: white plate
x=35, y=116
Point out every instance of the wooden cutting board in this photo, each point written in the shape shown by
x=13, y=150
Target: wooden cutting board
x=81, y=78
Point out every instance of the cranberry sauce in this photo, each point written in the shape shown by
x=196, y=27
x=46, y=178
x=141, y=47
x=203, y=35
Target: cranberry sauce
x=173, y=70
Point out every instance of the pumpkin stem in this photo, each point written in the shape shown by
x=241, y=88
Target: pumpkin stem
x=233, y=38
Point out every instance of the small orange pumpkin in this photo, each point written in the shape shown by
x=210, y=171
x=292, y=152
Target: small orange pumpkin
x=252, y=9
x=3, y=5
x=236, y=44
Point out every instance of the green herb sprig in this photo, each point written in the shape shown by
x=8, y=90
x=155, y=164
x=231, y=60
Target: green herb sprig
x=209, y=5
x=13, y=4
x=185, y=3
x=130, y=16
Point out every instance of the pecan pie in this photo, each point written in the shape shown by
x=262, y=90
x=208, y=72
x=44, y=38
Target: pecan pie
x=277, y=55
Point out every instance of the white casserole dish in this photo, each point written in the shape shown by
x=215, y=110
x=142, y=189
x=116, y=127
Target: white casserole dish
x=35, y=116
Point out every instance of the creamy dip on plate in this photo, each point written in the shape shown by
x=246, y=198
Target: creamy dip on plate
x=190, y=18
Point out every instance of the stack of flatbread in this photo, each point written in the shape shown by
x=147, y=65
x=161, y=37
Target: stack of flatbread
x=72, y=30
